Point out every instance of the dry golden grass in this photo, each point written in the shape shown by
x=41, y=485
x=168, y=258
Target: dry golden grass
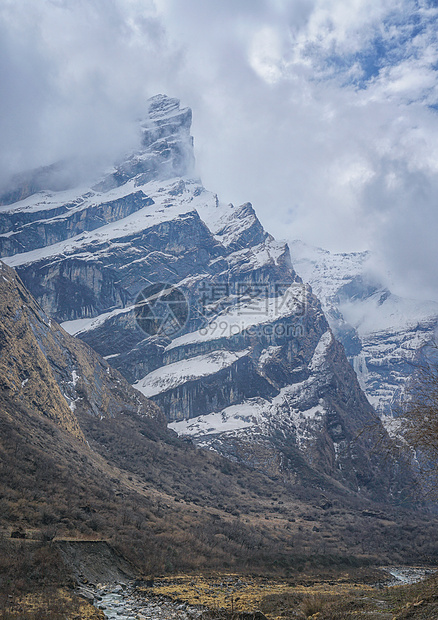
x=346, y=597
x=237, y=593
x=56, y=604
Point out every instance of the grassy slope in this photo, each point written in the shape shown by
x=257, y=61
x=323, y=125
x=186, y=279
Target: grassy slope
x=170, y=506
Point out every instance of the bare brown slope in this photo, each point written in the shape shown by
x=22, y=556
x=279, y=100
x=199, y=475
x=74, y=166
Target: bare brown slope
x=169, y=506
x=44, y=368
x=166, y=504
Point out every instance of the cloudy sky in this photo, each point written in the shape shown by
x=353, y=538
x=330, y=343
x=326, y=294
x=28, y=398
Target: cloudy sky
x=322, y=113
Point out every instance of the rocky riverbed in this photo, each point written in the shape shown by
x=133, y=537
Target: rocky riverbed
x=126, y=602
x=130, y=600
x=406, y=575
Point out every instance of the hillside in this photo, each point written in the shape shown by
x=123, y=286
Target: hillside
x=109, y=468
x=95, y=487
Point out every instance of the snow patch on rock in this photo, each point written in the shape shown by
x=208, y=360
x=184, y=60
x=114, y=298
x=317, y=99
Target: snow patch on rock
x=171, y=376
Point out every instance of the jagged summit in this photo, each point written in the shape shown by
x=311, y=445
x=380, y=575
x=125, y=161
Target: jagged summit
x=166, y=146
x=162, y=109
x=165, y=151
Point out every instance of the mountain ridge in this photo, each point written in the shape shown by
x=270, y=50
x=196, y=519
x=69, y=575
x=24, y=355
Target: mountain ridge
x=127, y=479
x=43, y=367
x=254, y=336
x=383, y=334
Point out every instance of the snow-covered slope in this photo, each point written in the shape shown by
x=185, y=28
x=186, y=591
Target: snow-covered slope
x=199, y=308
x=382, y=333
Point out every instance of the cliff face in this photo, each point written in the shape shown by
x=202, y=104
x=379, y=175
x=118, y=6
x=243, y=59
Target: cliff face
x=201, y=309
x=45, y=369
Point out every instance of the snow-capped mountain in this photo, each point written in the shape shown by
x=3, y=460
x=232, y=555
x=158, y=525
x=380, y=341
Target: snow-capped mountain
x=381, y=332
x=201, y=310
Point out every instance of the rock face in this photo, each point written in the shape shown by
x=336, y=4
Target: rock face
x=381, y=332
x=45, y=369
x=201, y=309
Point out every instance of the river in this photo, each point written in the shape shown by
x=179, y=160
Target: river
x=126, y=602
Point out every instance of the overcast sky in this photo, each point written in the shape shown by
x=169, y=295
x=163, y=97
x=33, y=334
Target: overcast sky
x=322, y=113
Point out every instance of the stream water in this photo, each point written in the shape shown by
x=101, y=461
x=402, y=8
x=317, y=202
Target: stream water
x=404, y=575
x=124, y=602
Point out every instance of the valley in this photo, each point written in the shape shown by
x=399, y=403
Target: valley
x=324, y=593
x=179, y=406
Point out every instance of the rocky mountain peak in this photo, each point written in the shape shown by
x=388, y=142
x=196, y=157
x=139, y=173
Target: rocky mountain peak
x=166, y=149
x=382, y=333
x=201, y=309
x=162, y=109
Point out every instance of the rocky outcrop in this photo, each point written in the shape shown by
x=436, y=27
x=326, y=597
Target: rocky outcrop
x=166, y=147
x=64, y=222
x=95, y=562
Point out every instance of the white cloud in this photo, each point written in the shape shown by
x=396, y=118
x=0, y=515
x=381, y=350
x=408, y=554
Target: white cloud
x=74, y=77
x=318, y=111
x=265, y=55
